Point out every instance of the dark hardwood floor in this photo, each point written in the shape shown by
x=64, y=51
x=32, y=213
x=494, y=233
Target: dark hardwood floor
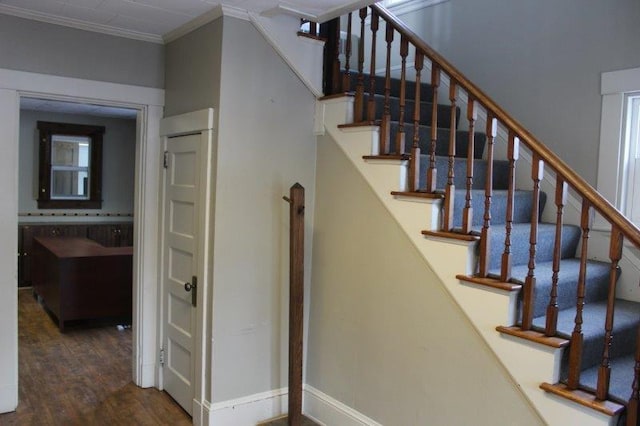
x=81, y=377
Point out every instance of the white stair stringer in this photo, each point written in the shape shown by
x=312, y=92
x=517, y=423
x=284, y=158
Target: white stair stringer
x=529, y=364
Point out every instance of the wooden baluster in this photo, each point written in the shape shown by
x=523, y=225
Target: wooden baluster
x=358, y=105
x=551, y=326
x=449, y=192
x=331, y=63
x=404, y=51
x=313, y=28
x=385, y=131
x=467, y=212
x=432, y=173
x=513, y=152
x=575, y=349
x=492, y=131
x=604, y=371
x=346, y=77
x=414, y=163
x=337, y=81
x=537, y=171
x=634, y=400
x=371, y=107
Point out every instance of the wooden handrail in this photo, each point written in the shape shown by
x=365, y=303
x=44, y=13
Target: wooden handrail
x=372, y=110
x=630, y=231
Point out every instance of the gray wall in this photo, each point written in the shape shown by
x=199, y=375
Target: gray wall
x=33, y=46
x=193, y=70
x=265, y=145
x=541, y=60
x=118, y=162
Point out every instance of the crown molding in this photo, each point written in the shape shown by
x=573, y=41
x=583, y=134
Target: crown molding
x=210, y=16
x=80, y=25
x=282, y=9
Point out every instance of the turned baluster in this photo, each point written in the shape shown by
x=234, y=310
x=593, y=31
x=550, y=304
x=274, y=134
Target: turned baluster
x=492, y=131
x=604, y=371
x=447, y=220
x=513, y=152
x=414, y=163
x=404, y=51
x=385, y=131
x=634, y=400
x=551, y=326
x=371, y=107
x=575, y=349
x=346, y=77
x=432, y=173
x=467, y=212
x=537, y=171
x=358, y=106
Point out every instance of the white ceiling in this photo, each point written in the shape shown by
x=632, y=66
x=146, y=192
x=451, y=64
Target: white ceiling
x=151, y=19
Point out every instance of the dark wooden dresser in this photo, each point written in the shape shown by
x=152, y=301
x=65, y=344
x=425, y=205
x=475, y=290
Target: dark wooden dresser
x=114, y=234
x=78, y=278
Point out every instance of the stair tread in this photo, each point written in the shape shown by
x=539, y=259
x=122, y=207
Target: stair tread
x=620, y=380
x=627, y=314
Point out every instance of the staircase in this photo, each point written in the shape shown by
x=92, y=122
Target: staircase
x=565, y=300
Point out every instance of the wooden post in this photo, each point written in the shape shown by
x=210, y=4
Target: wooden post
x=296, y=301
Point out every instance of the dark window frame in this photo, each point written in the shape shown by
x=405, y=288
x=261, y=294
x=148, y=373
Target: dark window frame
x=46, y=130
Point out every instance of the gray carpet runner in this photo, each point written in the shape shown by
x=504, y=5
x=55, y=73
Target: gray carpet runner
x=627, y=314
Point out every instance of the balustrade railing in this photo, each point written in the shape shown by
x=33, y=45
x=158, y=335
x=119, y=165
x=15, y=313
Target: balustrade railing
x=481, y=113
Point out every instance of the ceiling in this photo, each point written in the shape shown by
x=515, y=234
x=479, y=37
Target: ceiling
x=150, y=20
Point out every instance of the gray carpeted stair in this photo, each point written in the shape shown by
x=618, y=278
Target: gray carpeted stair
x=627, y=314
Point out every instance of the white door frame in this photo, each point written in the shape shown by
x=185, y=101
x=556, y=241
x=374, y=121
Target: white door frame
x=203, y=122
x=149, y=102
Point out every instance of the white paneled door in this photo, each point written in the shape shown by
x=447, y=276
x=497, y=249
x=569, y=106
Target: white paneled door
x=183, y=207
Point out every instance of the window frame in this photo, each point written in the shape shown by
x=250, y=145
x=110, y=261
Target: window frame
x=46, y=131
x=612, y=173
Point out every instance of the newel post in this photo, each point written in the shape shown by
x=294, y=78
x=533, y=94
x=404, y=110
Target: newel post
x=296, y=301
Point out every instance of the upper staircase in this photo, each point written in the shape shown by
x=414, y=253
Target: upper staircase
x=487, y=174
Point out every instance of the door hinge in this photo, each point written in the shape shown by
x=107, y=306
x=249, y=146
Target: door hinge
x=166, y=159
x=161, y=358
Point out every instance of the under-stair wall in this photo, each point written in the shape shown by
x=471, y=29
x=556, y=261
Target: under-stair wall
x=385, y=337
x=527, y=363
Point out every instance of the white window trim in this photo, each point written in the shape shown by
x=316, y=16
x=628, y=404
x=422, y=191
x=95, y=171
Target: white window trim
x=614, y=87
x=401, y=7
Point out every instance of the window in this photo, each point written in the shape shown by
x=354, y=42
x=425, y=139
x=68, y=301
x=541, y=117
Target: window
x=619, y=155
x=631, y=135
x=70, y=171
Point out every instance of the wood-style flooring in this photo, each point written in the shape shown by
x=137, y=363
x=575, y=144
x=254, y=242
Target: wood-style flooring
x=81, y=377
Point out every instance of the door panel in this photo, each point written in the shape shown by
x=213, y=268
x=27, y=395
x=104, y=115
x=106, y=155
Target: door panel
x=181, y=206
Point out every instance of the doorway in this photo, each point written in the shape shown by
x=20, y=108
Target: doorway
x=148, y=104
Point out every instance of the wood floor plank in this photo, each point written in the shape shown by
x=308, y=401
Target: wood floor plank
x=81, y=377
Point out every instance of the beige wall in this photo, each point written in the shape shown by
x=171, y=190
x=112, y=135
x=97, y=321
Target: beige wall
x=385, y=337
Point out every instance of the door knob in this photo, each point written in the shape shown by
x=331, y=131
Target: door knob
x=193, y=285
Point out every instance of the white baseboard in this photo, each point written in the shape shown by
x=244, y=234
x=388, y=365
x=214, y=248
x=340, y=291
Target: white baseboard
x=8, y=398
x=248, y=410
x=325, y=410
